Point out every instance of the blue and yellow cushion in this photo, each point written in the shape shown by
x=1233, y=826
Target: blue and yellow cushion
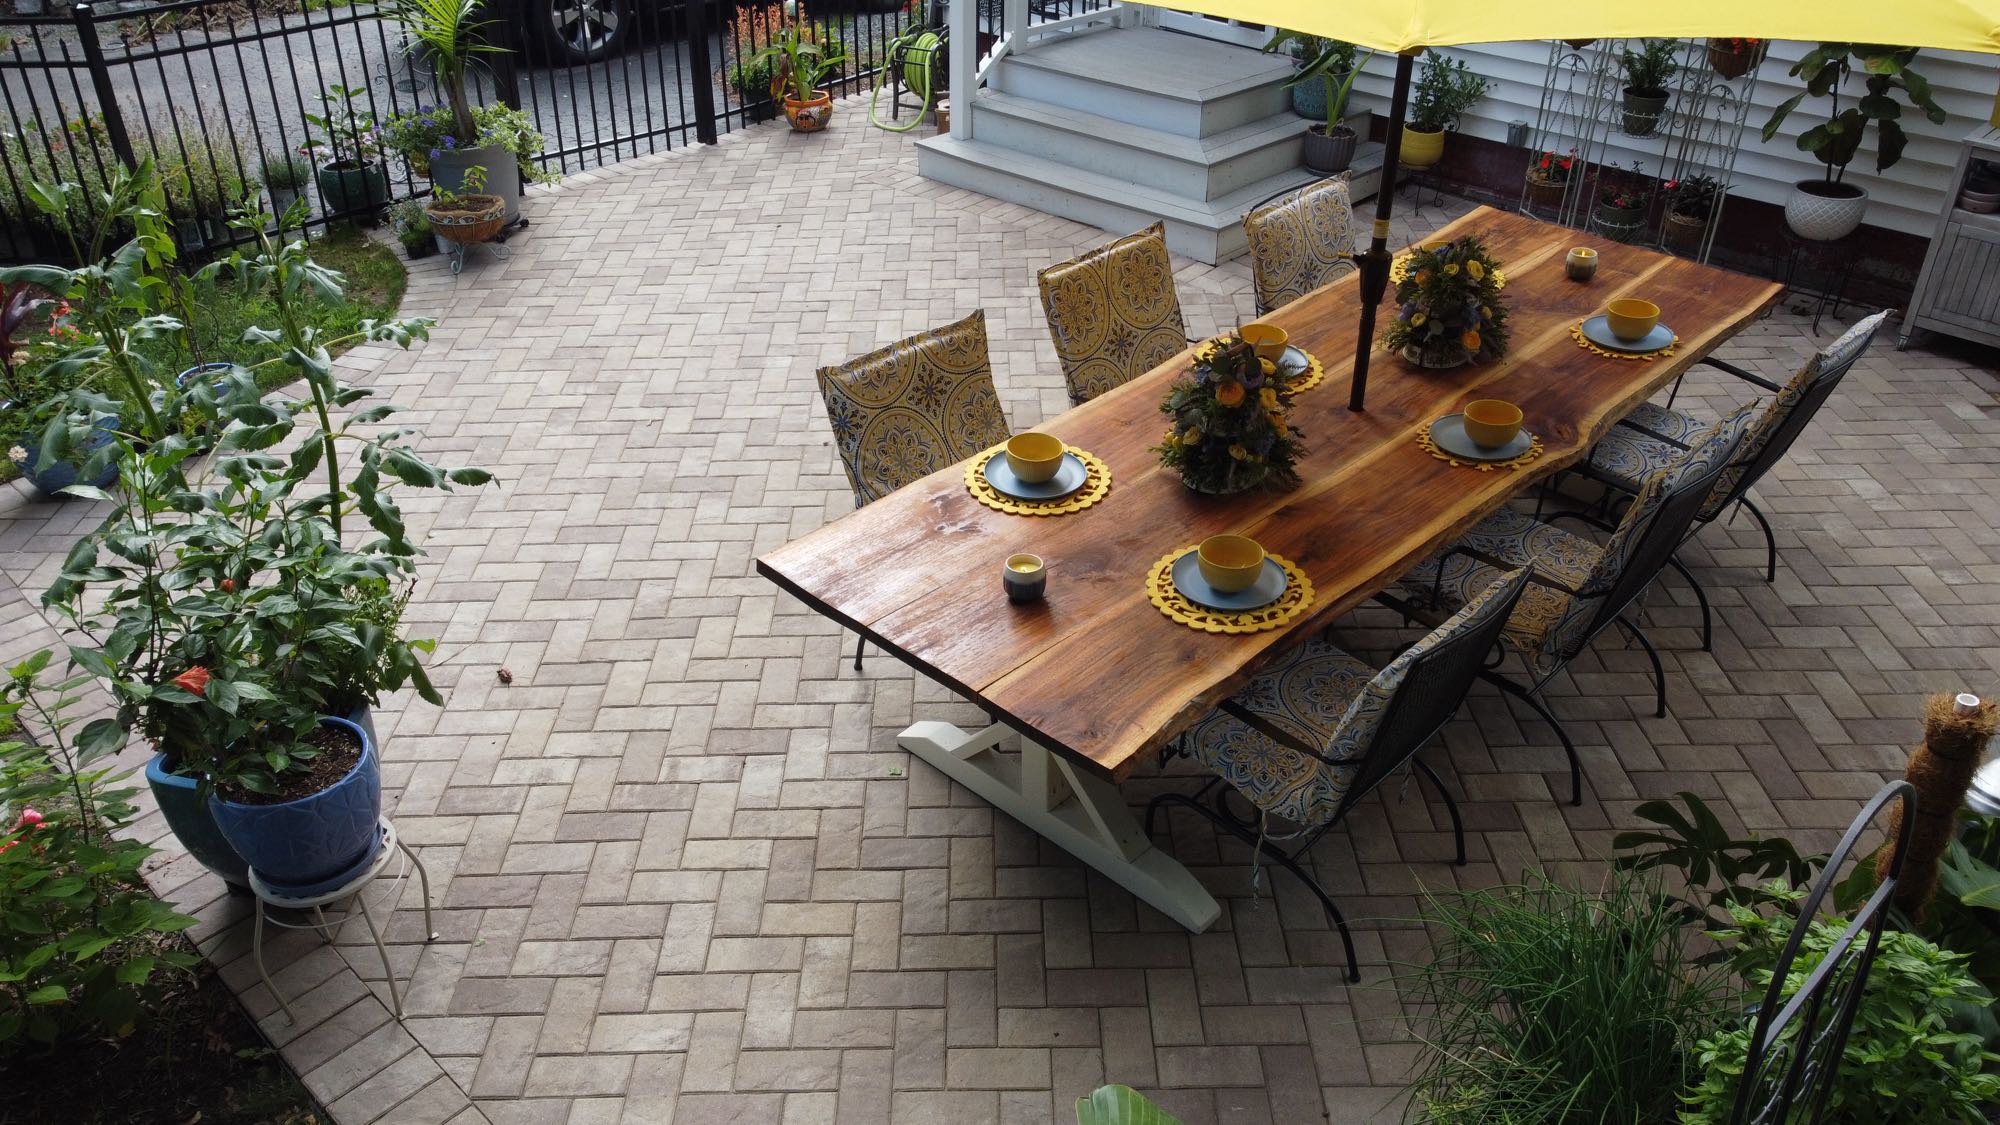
x=1300, y=242
x=1325, y=699
x=1113, y=312
x=1626, y=456
x=905, y=411
x=1552, y=622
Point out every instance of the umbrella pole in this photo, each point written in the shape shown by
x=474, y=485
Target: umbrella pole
x=1375, y=263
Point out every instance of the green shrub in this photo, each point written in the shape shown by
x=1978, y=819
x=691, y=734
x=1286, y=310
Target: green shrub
x=1553, y=1005
x=201, y=171
x=1903, y=1063
x=79, y=949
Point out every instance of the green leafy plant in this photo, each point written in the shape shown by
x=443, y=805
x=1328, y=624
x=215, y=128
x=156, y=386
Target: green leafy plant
x=1444, y=90
x=202, y=174
x=77, y=150
x=413, y=226
x=78, y=950
x=426, y=133
x=1718, y=870
x=283, y=171
x=1120, y=1105
x=1692, y=197
x=1651, y=67
x=1902, y=1064
x=1836, y=141
x=227, y=614
x=448, y=34
x=1228, y=426
x=348, y=137
x=1550, y=1004
x=798, y=62
x=1332, y=62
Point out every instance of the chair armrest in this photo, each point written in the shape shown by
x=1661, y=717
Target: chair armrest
x=1740, y=373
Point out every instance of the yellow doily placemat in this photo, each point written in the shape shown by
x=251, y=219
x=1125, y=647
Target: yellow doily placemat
x=1582, y=341
x=1095, y=485
x=1162, y=592
x=1399, y=269
x=1521, y=462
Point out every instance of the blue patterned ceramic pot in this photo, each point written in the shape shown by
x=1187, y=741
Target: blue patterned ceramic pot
x=186, y=812
x=53, y=478
x=316, y=842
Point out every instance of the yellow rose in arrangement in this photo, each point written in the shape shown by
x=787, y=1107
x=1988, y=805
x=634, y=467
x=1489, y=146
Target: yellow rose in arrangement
x=1268, y=398
x=1417, y=321
x=1477, y=271
x=1240, y=453
x=1191, y=437
x=1229, y=394
x=1451, y=269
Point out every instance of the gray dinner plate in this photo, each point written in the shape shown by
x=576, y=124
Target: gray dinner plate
x=1293, y=363
x=1068, y=478
x=1269, y=587
x=1449, y=434
x=1598, y=331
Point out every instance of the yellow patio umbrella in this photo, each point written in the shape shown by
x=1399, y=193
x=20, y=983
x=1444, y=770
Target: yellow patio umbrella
x=1406, y=27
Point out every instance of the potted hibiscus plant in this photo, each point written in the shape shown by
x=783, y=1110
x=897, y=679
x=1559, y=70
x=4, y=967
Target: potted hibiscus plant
x=242, y=619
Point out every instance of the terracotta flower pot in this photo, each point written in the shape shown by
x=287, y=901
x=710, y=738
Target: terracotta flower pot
x=1546, y=195
x=1733, y=63
x=809, y=116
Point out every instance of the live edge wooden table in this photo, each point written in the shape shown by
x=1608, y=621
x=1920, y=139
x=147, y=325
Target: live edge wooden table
x=1094, y=679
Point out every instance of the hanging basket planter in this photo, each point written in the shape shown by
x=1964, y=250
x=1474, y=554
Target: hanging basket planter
x=1544, y=193
x=1732, y=58
x=468, y=219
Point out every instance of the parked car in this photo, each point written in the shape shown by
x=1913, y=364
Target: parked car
x=584, y=31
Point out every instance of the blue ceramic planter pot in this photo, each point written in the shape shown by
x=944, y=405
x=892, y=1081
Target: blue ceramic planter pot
x=317, y=842
x=1309, y=99
x=186, y=810
x=52, y=479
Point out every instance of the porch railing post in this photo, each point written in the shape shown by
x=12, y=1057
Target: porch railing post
x=100, y=80
x=703, y=79
x=1014, y=14
x=964, y=66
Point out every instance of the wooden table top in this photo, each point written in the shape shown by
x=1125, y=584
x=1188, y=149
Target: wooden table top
x=1095, y=670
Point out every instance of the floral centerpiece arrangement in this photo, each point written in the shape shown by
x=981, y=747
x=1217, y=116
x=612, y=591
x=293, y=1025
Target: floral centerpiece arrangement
x=1449, y=309
x=1228, y=428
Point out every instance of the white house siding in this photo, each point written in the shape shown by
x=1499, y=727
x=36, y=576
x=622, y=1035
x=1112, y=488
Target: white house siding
x=1905, y=198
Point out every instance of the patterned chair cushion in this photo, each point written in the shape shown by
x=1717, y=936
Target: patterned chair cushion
x=1113, y=312
x=914, y=407
x=1300, y=242
x=1626, y=456
x=1324, y=698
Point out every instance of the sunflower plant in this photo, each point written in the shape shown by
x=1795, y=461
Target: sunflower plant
x=1448, y=306
x=1229, y=423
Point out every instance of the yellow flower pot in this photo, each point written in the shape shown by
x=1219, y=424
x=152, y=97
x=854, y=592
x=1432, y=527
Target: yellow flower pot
x=1421, y=149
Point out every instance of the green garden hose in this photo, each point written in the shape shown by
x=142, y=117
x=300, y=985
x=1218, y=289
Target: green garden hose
x=920, y=51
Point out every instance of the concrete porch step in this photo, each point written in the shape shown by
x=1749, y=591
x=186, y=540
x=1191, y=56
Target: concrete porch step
x=1160, y=80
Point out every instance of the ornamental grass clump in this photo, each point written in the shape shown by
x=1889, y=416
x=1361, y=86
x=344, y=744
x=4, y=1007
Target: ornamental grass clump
x=1229, y=426
x=1449, y=309
x=1556, y=1005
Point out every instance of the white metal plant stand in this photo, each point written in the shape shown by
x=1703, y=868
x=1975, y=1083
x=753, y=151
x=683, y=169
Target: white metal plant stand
x=1083, y=814
x=355, y=888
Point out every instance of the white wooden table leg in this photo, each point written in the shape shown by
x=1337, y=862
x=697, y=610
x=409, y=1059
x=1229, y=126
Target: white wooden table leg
x=1082, y=814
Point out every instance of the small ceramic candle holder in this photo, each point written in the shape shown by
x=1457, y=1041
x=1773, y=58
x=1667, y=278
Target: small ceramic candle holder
x=1025, y=577
x=1580, y=264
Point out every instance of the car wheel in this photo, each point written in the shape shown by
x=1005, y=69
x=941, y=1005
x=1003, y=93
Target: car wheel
x=581, y=31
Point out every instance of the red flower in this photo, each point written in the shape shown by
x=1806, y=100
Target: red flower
x=194, y=680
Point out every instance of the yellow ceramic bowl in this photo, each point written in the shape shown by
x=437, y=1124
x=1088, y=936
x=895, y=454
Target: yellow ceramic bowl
x=1230, y=562
x=1630, y=318
x=1268, y=339
x=1491, y=423
x=1034, y=457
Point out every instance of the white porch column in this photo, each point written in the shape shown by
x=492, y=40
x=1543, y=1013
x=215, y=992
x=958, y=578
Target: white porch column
x=964, y=65
x=1015, y=15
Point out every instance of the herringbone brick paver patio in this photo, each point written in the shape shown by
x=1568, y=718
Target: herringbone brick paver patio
x=682, y=872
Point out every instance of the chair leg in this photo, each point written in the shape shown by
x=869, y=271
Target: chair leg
x=1659, y=673
x=1700, y=596
x=1275, y=854
x=1450, y=806
x=860, y=646
x=1569, y=748
x=1770, y=542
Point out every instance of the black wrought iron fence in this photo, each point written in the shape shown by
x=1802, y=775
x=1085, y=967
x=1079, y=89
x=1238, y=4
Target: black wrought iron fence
x=220, y=93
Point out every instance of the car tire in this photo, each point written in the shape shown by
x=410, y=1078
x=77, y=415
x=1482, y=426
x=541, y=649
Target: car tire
x=579, y=31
